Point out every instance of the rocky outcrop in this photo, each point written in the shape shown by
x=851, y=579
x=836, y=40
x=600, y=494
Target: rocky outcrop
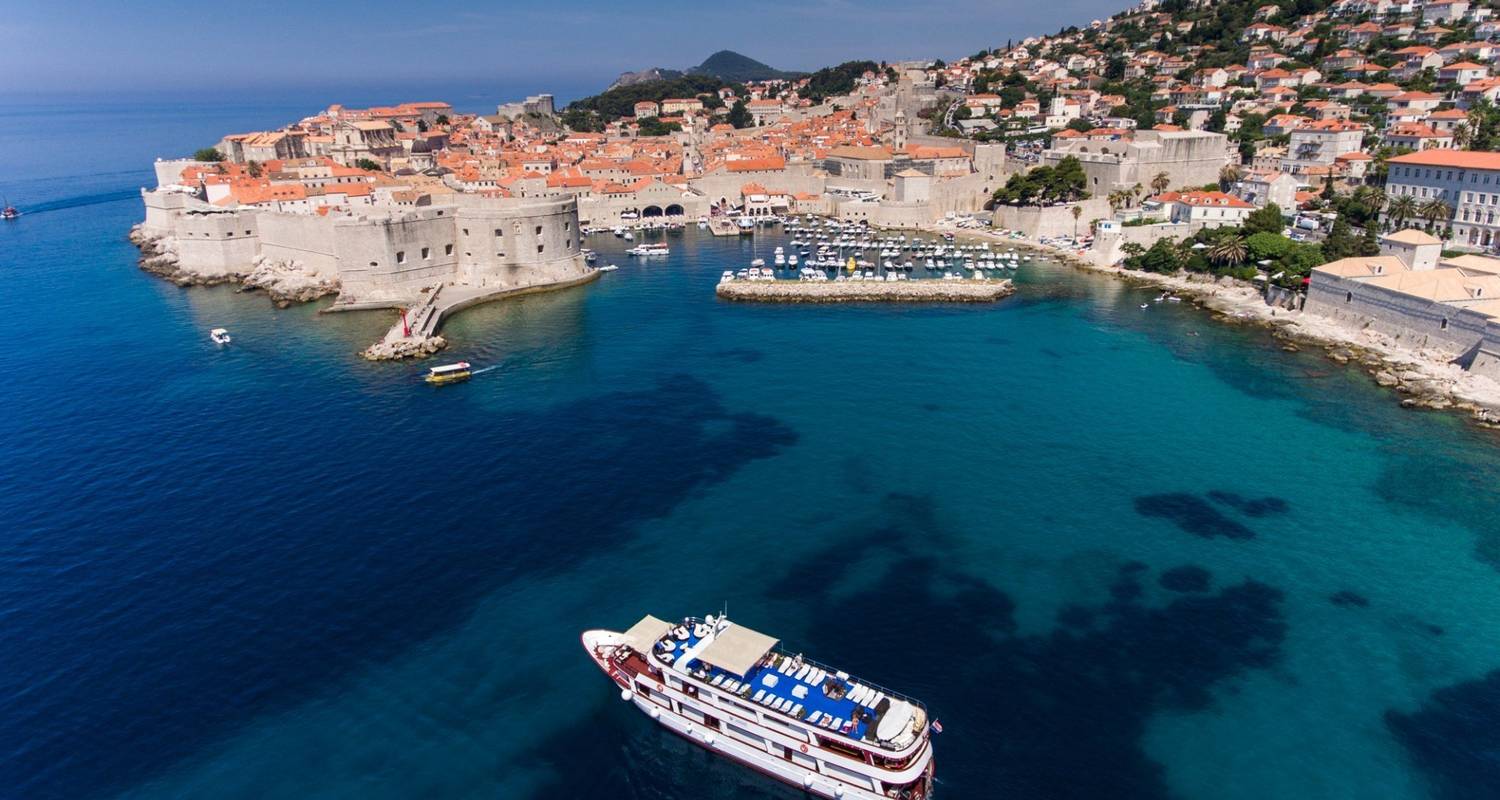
x=395, y=350
x=285, y=282
x=288, y=281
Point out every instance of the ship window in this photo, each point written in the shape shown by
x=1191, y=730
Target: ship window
x=400, y=256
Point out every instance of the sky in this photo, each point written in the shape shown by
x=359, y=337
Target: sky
x=567, y=46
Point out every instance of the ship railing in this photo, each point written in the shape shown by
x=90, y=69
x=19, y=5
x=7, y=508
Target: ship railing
x=833, y=672
x=894, y=695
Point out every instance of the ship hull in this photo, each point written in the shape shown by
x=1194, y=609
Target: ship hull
x=717, y=741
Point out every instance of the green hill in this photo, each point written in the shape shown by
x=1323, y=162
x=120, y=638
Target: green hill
x=729, y=66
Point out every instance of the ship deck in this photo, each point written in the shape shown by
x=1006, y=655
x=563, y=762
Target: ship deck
x=790, y=685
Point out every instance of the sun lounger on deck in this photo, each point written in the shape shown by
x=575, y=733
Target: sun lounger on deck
x=804, y=672
x=718, y=679
x=797, y=710
x=814, y=717
x=759, y=694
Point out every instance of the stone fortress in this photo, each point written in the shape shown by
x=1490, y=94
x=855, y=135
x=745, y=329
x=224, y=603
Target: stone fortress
x=469, y=248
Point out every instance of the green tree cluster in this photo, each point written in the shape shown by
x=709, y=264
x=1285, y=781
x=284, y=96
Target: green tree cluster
x=1064, y=183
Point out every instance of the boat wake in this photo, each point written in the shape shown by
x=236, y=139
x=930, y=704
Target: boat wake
x=483, y=370
x=82, y=200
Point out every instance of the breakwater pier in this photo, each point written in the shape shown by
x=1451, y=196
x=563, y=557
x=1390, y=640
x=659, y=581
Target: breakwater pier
x=926, y=291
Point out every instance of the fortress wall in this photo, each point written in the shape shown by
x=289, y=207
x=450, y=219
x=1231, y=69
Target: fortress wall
x=162, y=211
x=1037, y=221
x=1412, y=321
x=795, y=178
x=304, y=238
x=520, y=245
x=220, y=243
x=1487, y=356
x=384, y=255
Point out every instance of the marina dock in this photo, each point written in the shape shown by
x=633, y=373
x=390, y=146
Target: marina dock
x=925, y=291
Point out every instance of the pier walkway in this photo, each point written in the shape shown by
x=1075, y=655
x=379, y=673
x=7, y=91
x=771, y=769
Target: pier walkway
x=427, y=316
x=923, y=291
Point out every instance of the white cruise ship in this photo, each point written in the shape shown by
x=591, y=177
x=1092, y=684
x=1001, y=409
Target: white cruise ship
x=731, y=690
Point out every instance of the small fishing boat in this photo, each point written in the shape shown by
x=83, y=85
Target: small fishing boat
x=449, y=373
x=9, y=212
x=608, y=268
x=220, y=336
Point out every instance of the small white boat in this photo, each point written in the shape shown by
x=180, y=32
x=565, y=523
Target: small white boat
x=629, y=237
x=608, y=268
x=220, y=336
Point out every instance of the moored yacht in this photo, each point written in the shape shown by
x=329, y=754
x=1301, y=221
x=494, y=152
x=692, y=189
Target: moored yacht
x=733, y=691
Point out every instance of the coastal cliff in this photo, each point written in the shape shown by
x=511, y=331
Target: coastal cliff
x=285, y=282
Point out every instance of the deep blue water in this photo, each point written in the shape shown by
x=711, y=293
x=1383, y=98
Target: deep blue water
x=1119, y=553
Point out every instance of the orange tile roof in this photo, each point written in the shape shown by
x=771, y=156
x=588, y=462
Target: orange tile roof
x=1464, y=159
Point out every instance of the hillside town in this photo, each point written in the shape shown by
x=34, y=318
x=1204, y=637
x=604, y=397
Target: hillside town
x=1258, y=142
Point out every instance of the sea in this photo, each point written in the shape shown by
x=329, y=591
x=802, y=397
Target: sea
x=1119, y=552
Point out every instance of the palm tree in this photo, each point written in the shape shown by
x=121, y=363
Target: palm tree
x=1160, y=183
x=1228, y=176
x=1402, y=210
x=1434, y=211
x=1077, y=212
x=1463, y=132
x=1135, y=193
x=1118, y=198
x=1229, y=250
x=1370, y=197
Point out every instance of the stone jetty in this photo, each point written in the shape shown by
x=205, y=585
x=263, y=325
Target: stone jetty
x=926, y=291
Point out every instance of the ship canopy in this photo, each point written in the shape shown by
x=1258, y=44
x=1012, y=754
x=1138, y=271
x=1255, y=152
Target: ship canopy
x=642, y=636
x=737, y=649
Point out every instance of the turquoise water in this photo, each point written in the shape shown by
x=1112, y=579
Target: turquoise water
x=1118, y=552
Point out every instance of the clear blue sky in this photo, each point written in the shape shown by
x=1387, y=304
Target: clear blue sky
x=59, y=45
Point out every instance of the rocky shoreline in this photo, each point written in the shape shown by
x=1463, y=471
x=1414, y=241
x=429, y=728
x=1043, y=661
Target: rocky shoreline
x=1424, y=379
x=922, y=291
x=284, y=282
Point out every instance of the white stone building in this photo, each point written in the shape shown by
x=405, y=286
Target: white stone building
x=1468, y=182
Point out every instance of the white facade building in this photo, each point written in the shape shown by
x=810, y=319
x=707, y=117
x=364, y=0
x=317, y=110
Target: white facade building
x=1467, y=181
